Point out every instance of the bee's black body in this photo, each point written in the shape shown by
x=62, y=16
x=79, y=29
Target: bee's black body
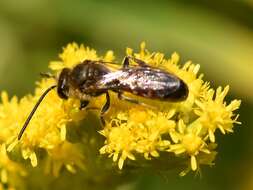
x=81, y=80
x=146, y=82
x=93, y=78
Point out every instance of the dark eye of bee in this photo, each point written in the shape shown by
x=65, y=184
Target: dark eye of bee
x=63, y=84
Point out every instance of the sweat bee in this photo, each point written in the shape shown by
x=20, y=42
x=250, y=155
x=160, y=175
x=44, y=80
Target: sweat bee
x=93, y=78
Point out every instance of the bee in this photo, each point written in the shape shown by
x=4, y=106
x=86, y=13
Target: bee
x=93, y=78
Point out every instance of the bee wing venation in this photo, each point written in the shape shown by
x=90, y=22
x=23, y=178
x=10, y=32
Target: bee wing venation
x=147, y=82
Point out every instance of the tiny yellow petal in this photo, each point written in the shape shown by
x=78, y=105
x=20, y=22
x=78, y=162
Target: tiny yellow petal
x=206, y=151
x=181, y=126
x=12, y=145
x=196, y=69
x=129, y=51
x=4, y=176
x=121, y=163
x=211, y=136
x=221, y=129
x=102, y=150
x=109, y=56
x=115, y=157
x=70, y=168
x=131, y=156
x=175, y=58
x=33, y=159
x=193, y=163
x=154, y=153
x=26, y=153
x=56, y=65
x=63, y=132
x=179, y=151
x=143, y=45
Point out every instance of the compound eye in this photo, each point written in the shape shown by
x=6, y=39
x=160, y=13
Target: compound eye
x=63, y=84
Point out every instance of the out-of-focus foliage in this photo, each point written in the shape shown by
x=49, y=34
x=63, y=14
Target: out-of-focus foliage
x=218, y=35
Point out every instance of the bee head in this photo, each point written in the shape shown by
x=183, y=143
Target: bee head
x=63, y=84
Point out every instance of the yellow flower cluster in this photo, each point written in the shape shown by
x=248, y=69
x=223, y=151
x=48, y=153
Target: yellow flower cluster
x=183, y=130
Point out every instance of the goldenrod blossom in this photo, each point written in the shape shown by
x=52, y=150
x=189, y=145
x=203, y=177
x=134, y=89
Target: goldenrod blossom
x=172, y=130
x=137, y=130
x=214, y=113
x=10, y=171
x=174, y=127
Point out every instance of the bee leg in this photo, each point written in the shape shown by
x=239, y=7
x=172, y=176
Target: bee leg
x=83, y=104
x=122, y=97
x=138, y=61
x=126, y=62
x=107, y=104
x=131, y=100
x=105, y=108
x=102, y=120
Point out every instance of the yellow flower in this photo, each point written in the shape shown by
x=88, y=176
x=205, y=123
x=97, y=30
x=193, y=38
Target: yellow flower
x=10, y=171
x=214, y=113
x=74, y=54
x=189, y=141
x=180, y=127
x=133, y=133
x=9, y=109
x=47, y=128
x=138, y=130
x=67, y=155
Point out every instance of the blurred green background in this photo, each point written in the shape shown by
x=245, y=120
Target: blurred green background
x=216, y=34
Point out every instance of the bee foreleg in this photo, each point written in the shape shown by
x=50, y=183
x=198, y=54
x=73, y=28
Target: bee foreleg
x=138, y=61
x=105, y=108
x=107, y=104
x=126, y=62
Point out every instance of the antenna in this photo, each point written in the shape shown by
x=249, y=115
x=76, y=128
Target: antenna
x=33, y=111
